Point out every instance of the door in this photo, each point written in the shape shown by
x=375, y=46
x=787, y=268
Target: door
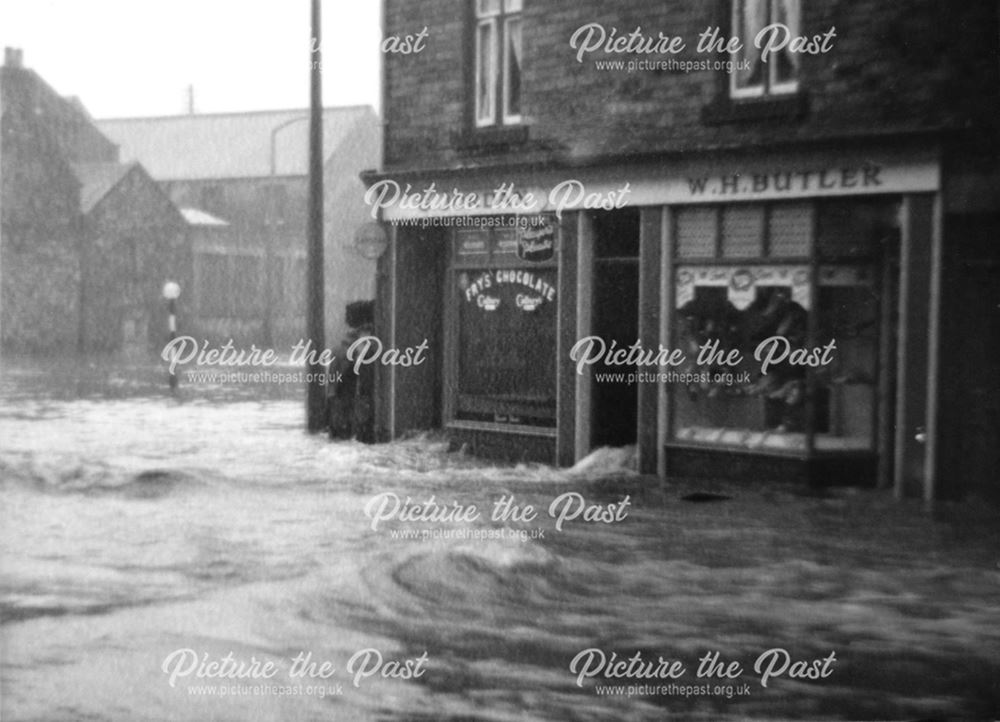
x=615, y=319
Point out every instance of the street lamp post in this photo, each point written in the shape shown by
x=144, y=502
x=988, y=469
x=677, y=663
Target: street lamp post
x=271, y=223
x=315, y=389
x=171, y=292
x=274, y=138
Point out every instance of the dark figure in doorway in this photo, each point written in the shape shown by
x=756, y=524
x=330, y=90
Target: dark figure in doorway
x=350, y=395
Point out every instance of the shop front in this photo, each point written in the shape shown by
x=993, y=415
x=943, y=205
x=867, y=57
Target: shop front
x=751, y=316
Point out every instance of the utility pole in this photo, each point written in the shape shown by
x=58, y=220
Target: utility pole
x=315, y=389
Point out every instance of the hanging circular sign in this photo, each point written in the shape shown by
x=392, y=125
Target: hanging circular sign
x=370, y=240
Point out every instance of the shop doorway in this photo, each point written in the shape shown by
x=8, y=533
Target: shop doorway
x=419, y=267
x=615, y=319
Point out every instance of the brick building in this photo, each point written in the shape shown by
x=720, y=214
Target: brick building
x=241, y=181
x=668, y=196
x=86, y=241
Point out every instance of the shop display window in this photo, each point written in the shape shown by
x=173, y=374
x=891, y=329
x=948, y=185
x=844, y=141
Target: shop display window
x=773, y=305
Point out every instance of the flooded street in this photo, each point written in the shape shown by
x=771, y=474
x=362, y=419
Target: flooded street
x=135, y=526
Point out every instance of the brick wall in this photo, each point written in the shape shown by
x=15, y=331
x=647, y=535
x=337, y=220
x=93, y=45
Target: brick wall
x=896, y=67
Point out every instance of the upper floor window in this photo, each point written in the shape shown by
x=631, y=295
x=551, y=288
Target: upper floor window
x=755, y=76
x=498, y=62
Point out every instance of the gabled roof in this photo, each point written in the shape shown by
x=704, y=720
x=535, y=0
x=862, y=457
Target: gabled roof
x=229, y=145
x=97, y=180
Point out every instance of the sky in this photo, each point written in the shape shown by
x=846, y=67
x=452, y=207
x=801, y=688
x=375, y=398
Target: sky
x=126, y=58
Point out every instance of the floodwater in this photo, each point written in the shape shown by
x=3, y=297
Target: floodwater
x=139, y=531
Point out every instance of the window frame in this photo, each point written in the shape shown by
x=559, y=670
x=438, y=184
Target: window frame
x=509, y=20
x=769, y=87
x=498, y=16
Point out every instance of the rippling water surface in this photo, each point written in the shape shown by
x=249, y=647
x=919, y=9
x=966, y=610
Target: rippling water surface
x=134, y=525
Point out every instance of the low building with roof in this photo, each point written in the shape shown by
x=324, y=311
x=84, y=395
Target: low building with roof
x=133, y=234
x=241, y=180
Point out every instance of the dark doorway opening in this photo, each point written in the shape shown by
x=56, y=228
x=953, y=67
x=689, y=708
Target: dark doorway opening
x=615, y=400
x=420, y=263
x=970, y=359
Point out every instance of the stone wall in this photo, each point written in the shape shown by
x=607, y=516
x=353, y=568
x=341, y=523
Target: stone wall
x=136, y=241
x=40, y=268
x=895, y=67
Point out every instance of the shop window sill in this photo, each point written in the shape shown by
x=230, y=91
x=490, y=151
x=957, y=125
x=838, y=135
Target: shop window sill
x=512, y=429
x=822, y=449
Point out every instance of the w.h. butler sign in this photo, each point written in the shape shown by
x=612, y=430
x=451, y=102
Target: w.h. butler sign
x=814, y=181
x=778, y=176
x=789, y=176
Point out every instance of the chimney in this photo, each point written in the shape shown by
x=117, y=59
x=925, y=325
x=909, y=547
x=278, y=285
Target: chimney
x=13, y=57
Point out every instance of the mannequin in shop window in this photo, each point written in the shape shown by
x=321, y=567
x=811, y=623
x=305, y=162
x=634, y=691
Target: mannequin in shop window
x=774, y=313
x=710, y=315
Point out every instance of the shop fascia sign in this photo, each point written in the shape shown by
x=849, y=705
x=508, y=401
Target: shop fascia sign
x=786, y=177
x=397, y=201
x=780, y=177
x=532, y=291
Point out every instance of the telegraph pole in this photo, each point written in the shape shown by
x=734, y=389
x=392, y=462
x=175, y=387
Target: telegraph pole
x=315, y=389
